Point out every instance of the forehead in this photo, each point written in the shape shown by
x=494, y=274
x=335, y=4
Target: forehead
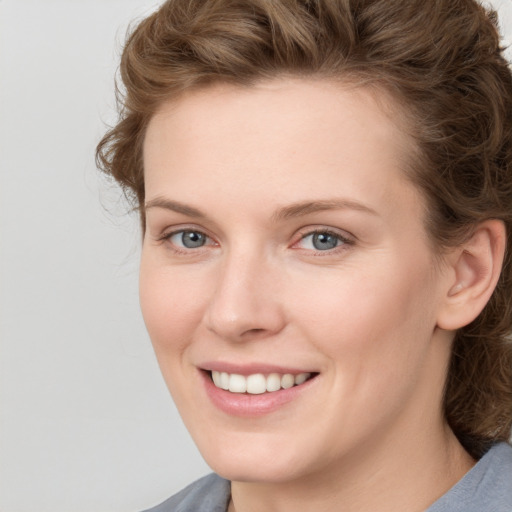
x=286, y=136
x=308, y=104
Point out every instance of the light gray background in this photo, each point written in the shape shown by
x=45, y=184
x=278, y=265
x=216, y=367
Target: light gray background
x=86, y=423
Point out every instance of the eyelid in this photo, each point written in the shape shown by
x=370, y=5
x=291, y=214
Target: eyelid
x=167, y=234
x=346, y=238
x=169, y=231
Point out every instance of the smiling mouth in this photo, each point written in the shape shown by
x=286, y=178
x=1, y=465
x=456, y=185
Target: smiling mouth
x=258, y=383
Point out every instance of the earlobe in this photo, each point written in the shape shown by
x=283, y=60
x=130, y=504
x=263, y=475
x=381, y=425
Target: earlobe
x=475, y=267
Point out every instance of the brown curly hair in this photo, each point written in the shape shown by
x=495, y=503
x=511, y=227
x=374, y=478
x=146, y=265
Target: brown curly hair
x=440, y=59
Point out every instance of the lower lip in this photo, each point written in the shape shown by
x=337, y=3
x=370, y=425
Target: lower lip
x=246, y=405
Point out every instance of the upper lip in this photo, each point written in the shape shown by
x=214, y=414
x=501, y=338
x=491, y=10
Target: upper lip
x=251, y=368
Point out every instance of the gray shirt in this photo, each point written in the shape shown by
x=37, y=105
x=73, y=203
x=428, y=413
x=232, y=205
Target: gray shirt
x=486, y=488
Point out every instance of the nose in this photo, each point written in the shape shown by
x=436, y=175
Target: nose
x=245, y=301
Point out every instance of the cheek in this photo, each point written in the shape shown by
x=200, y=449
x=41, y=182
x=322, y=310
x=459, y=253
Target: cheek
x=375, y=333
x=171, y=306
x=370, y=316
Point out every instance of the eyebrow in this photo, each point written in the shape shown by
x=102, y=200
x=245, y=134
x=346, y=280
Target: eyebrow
x=175, y=206
x=307, y=207
x=294, y=210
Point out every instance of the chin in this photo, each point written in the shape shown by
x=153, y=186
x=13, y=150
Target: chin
x=260, y=457
x=257, y=471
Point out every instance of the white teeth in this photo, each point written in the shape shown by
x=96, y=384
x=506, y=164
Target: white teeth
x=216, y=379
x=301, y=378
x=257, y=383
x=237, y=383
x=224, y=380
x=273, y=382
x=287, y=381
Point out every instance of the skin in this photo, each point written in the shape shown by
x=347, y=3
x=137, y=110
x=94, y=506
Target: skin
x=368, y=432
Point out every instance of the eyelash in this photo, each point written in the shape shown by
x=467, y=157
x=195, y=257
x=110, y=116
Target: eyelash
x=166, y=237
x=343, y=241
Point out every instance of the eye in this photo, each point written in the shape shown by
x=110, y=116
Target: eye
x=188, y=239
x=322, y=241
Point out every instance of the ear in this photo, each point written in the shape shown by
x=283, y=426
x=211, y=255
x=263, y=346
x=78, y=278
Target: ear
x=473, y=271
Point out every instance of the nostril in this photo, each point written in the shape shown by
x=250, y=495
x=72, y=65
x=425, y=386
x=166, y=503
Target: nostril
x=255, y=331
x=254, y=334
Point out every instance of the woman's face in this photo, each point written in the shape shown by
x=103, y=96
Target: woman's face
x=283, y=243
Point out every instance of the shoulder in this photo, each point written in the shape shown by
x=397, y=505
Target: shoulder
x=488, y=486
x=209, y=494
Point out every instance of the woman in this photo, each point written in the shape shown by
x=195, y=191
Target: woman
x=325, y=190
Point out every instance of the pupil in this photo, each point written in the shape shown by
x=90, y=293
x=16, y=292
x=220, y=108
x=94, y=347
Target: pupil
x=192, y=239
x=323, y=241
